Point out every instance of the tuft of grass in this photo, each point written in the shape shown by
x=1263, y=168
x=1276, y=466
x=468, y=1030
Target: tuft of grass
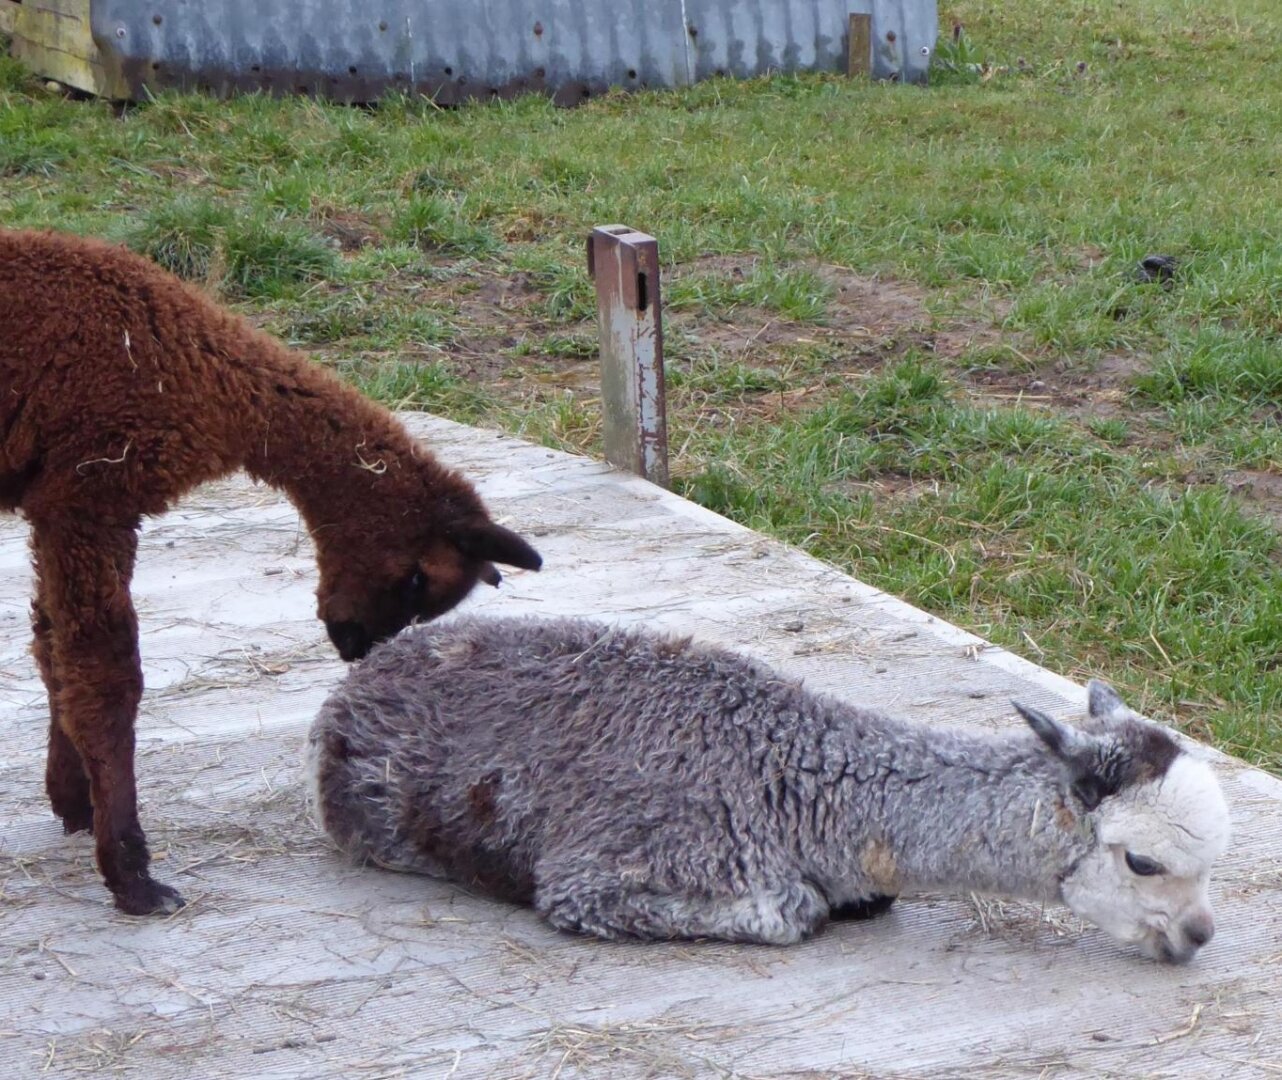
x=265, y=257
x=432, y=223
x=562, y=422
x=797, y=293
x=568, y=296
x=32, y=142
x=958, y=59
x=722, y=379
x=259, y=257
x=1216, y=364
x=333, y=321
x=570, y=346
x=14, y=77
x=1113, y=430
x=430, y=386
x=183, y=236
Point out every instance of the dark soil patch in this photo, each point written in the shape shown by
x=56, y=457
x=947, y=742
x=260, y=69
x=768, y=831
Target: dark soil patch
x=889, y=485
x=504, y=339
x=1084, y=394
x=351, y=232
x=1068, y=388
x=869, y=319
x=1258, y=493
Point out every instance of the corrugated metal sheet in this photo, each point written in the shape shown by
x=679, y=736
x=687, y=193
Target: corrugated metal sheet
x=460, y=49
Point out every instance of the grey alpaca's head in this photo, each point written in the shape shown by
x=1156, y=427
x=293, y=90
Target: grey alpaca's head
x=1159, y=822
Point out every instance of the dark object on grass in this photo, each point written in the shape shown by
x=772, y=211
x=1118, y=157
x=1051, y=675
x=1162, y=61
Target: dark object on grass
x=1157, y=268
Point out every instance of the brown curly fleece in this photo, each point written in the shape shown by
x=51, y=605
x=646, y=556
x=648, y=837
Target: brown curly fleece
x=121, y=388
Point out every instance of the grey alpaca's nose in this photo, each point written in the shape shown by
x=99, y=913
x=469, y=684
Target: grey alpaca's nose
x=1199, y=930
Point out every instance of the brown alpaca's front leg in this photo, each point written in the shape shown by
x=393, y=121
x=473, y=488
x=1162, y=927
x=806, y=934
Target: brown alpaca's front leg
x=65, y=778
x=84, y=574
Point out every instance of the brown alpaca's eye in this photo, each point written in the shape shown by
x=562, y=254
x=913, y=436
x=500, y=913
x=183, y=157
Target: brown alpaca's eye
x=418, y=583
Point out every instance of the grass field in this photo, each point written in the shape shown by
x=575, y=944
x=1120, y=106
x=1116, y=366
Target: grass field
x=903, y=325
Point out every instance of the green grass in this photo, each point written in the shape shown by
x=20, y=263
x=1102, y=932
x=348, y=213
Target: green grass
x=430, y=386
x=794, y=292
x=184, y=236
x=1028, y=529
x=1021, y=480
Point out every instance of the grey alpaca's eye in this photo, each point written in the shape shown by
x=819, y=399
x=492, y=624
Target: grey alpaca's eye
x=1142, y=866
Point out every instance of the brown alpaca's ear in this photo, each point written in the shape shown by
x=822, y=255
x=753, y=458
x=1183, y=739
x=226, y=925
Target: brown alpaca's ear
x=494, y=543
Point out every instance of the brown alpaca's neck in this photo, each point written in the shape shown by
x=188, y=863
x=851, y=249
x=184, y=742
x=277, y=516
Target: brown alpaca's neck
x=333, y=452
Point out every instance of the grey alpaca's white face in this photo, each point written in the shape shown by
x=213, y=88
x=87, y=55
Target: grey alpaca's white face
x=1146, y=880
x=1159, y=822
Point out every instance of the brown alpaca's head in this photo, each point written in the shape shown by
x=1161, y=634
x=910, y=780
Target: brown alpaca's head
x=368, y=594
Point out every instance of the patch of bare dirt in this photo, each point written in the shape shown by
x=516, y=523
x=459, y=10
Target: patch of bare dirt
x=890, y=485
x=1258, y=493
x=1099, y=391
x=484, y=296
x=873, y=319
x=503, y=334
x=504, y=339
x=351, y=232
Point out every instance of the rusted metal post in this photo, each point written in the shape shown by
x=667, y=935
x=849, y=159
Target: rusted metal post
x=625, y=265
x=859, y=48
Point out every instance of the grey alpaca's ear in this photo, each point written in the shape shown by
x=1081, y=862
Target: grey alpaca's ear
x=1082, y=754
x=494, y=543
x=1104, y=701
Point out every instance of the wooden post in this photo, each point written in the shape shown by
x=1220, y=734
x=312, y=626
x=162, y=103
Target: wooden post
x=859, y=46
x=625, y=265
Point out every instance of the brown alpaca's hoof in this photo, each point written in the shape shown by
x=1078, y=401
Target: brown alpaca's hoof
x=77, y=821
x=149, y=897
x=73, y=807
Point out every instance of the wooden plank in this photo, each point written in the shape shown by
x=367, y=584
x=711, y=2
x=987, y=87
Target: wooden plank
x=859, y=47
x=62, y=24
x=55, y=40
x=68, y=68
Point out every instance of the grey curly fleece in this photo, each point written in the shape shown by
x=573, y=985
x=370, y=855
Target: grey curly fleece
x=634, y=785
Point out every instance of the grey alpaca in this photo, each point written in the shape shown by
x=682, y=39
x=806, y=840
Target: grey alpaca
x=633, y=785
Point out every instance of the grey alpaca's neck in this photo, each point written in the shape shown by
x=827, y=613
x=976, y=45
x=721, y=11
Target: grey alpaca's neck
x=957, y=811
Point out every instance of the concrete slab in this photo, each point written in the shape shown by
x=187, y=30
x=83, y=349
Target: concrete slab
x=291, y=963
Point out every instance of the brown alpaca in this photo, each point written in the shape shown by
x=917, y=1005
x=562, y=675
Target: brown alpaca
x=121, y=388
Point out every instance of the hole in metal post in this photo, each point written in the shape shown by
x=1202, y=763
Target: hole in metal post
x=643, y=291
